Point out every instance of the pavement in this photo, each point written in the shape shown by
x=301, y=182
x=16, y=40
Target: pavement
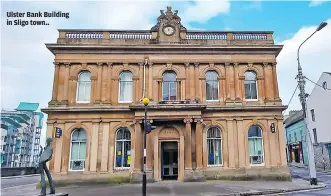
x=171, y=188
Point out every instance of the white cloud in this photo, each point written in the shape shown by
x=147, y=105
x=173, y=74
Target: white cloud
x=315, y=58
x=314, y=3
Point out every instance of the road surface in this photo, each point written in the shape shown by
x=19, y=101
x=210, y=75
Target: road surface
x=303, y=173
x=19, y=181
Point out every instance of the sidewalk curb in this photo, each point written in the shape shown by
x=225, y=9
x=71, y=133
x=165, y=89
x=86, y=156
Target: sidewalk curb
x=269, y=192
x=22, y=176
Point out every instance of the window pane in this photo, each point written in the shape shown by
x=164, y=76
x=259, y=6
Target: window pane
x=169, y=77
x=119, y=154
x=74, y=150
x=218, y=152
x=247, y=91
x=82, y=150
x=80, y=94
x=87, y=92
x=253, y=91
x=84, y=76
x=165, y=91
x=173, y=90
x=251, y=147
x=125, y=91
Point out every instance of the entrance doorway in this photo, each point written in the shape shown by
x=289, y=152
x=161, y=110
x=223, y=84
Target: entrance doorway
x=169, y=160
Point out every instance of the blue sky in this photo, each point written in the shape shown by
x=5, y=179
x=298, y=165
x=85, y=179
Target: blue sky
x=24, y=55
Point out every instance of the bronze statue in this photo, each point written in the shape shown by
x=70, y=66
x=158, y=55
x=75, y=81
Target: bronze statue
x=44, y=158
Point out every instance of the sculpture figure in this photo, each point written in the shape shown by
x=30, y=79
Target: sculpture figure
x=46, y=156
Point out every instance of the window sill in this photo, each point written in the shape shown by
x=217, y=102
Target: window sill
x=252, y=100
x=257, y=165
x=121, y=168
x=75, y=170
x=215, y=165
x=124, y=101
x=83, y=102
x=212, y=100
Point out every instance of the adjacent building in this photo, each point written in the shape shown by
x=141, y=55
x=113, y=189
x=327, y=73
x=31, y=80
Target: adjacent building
x=214, y=100
x=20, y=139
x=318, y=119
x=295, y=130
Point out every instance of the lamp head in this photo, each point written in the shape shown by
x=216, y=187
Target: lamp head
x=321, y=26
x=146, y=101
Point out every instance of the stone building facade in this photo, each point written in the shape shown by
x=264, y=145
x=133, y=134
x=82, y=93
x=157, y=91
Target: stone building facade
x=214, y=96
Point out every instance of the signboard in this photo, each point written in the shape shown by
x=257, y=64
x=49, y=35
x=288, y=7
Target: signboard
x=272, y=128
x=57, y=132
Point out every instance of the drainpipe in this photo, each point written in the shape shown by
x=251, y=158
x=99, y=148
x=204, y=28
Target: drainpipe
x=144, y=89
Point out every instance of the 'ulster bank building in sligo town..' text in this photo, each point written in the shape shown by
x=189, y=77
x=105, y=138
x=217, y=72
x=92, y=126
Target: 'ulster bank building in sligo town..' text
x=214, y=101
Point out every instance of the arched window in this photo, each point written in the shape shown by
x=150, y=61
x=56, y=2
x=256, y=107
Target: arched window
x=125, y=87
x=78, y=150
x=250, y=85
x=84, y=87
x=123, y=148
x=211, y=86
x=169, y=88
x=214, y=146
x=255, y=144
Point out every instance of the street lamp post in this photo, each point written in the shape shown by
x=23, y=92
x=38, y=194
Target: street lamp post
x=303, y=99
x=145, y=102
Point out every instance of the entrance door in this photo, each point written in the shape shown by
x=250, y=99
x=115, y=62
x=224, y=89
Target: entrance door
x=169, y=160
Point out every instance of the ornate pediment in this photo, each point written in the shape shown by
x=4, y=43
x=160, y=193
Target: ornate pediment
x=168, y=18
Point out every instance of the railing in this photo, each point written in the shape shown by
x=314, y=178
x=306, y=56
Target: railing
x=206, y=35
x=129, y=35
x=147, y=35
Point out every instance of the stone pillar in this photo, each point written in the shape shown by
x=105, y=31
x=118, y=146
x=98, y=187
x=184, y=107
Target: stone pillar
x=150, y=80
x=241, y=143
x=267, y=82
x=198, y=143
x=60, y=83
x=276, y=91
x=282, y=145
x=109, y=86
x=188, y=150
x=237, y=82
x=105, y=147
x=94, y=147
x=55, y=83
x=149, y=151
x=138, y=146
x=58, y=152
x=187, y=81
x=196, y=80
x=104, y=82
x=98, y=87
x=227, y=81
x=66, y=144
x=50, y=128
x=66, y=84
x=231, y=143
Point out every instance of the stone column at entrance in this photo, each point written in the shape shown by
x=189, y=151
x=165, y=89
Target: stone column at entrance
x=188, y=150
x=198, y=143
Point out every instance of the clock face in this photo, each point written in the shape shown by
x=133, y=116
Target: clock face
x=168, y=30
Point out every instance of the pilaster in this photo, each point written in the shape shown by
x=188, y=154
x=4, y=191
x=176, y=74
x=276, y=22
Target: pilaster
x=276, y=91
x=55, y=84
x=227, y=82
x=98, y=85
x=199, y=143
x=237, y=82
x=188, y=150
x=66, y=84
x=109, y=86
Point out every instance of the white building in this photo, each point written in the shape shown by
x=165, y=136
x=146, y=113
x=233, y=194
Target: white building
x=22, y=140
x=318, y=119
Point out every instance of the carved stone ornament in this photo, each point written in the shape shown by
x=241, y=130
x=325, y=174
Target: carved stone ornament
x=168, y=18
x=169, y=66
x=84, y=65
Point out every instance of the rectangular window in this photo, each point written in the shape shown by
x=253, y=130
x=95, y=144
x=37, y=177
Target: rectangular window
x=212, y=90
x=255, y=150
x=84, y=92
x=315, y=135
x=126, y=91
x=169, y=91
x=250, y=90
x=312, y=114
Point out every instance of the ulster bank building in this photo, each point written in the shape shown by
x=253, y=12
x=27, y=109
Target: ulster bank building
x=214, y=101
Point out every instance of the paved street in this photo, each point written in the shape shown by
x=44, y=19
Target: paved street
x=303, y=173
x=18, y=181
x=22, y=186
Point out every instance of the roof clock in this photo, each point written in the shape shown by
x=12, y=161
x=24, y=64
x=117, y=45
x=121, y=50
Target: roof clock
x=168, y=30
